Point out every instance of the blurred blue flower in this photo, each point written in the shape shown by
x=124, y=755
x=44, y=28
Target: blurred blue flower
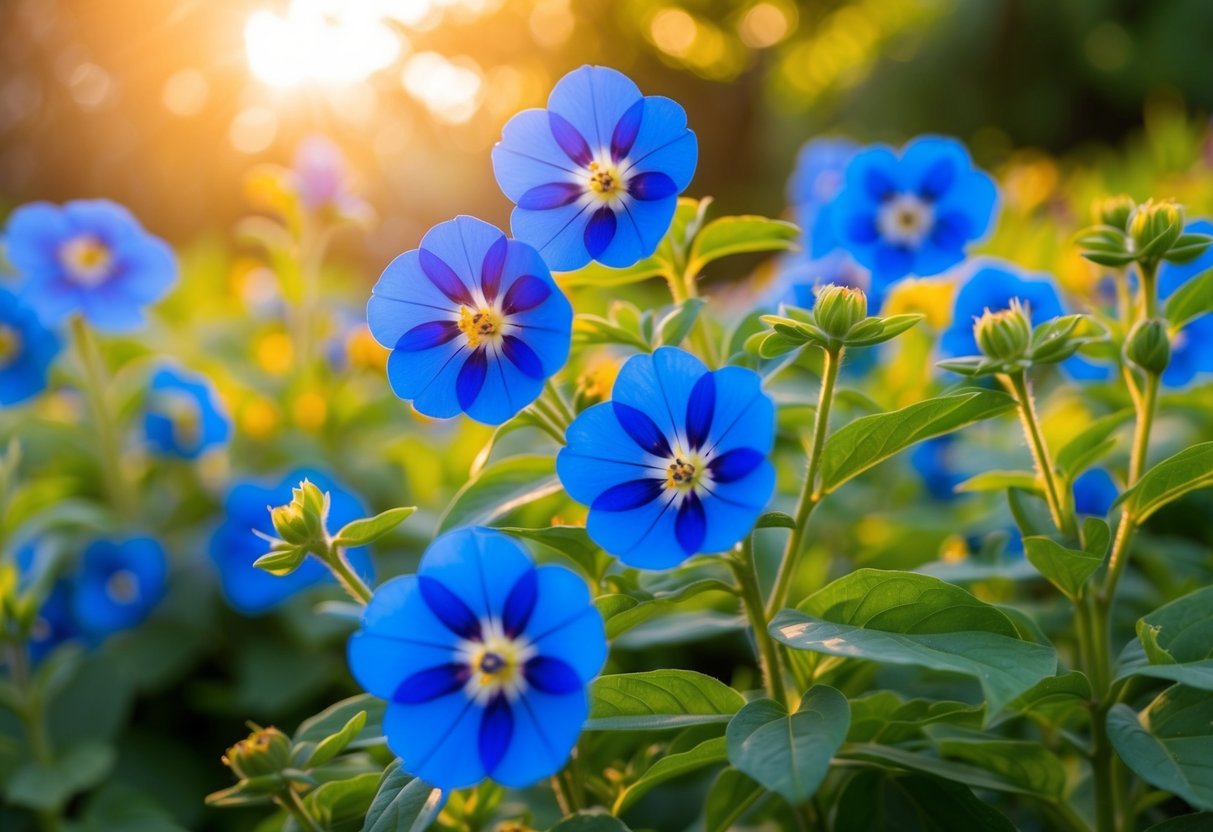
x=818, y=177
x=234, y=545
x=799, y=278
x=474, y=321
x=118, y=584
x=993, y=287
x=935, y=461
x=676, y=463
x=184, y=416
x=54, y=623
x=1094, y=492
x=913, y=213
x=27, y=349
x=324, y=179
x=483, y=659
x=89, y=257
x=597, y=175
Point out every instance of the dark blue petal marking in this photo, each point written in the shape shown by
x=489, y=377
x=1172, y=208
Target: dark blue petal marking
x=449, y=608
x=599, y=231
x=424, y=336
x=628, y=495
x=471, y=377
x=571, y=142
x=691, y=524
x=642, y=429
x=496, y=731
x=937, y=180
x=551, y=195
x=624, y=135
x=525, y=294
x=520, y=603
x=700, y=408
x=444, y=277
x=879, y=184
x=650, y=186
x=735, y=464
x=430, y=684
x=522, y=356
x=951, y=230
x=550, y=675
x=491, y=268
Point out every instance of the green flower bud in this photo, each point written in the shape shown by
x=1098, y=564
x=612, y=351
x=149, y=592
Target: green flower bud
x=1004, y=335
x=302, y=521
x=1114, y=210
x=839, y=308
x=1149, y=346
x=1154, y=227
x=266, y=751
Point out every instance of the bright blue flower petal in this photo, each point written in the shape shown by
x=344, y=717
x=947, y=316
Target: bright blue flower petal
x=118, y=584
x=546, y=728
x=733, y=508
x=565, y=625
x=599, y=455
x=184, y=416
x=1173, y=275
x=745, y=417
x=1094, y=493
x=27, y=350
x=437, y=740
x=593, y=99
x=993, y=287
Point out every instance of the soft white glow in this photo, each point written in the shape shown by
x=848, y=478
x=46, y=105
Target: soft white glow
x=318, y=41
x=449, y=89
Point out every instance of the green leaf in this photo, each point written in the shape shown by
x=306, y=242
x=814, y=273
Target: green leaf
x=738, y=235
x=1026, y=763
x=1178, y=641
x=590, y=822
x=1191, y=300
x=49, y=786
x=906, y=618
x=362, y=532
x=1170, y=744
x=1200, y=822
x=730, y=797
x=888, y=329
x=334, y=719
x=659, y=699
x=1066, y=569
x=334, y=744
x=885, y=717
x=1054, y=698
x=1187, y=471
x=1091, y=444
x=402, y=803
x=870, y=440
x=895, y=757
x=283, y=561
x=707, y=753
x=571, y=541
x=678, y=323
x=499, y=489
x=596, y=274
x=789, y=754
x=621, y=612
x=1000, y=481
x=340, y=805
x=879, y=801
x=594, y=329
x=775, y=520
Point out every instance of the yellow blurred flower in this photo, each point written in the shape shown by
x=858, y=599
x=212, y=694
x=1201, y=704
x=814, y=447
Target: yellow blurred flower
x=275, y=353
x=362, y=350
x=309, y=410
x=1029, y=180
x=596, y=381
x=272, y=189
x=259, y=418
x=931, y=297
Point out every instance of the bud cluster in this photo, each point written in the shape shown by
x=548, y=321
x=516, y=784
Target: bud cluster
x=1004, y=335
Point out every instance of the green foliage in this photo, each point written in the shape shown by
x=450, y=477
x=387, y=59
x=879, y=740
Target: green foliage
x=659, y=700
x=1170, y=743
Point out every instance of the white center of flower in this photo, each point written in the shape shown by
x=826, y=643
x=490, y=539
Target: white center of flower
x=606, y=181
x=122, y=587
x=496, y=662
x=905, y=219
x=10, y=345
x=88, y=260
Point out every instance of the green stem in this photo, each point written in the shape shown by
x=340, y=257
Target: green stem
x=109, y=437
x=545, y=422
x=558, y=402
x=1063, y=518
x=346, y=576
x=809, y=494
x=1149, y=289
x=1146, y=406
x=289, y=799
x=746, y=573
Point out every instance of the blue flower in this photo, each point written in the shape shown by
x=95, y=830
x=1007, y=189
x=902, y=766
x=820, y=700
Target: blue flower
x=118, y=584
x=474, y=321
x=993, y=287
x=936, y=464
x=483, y=659
x=89, y=257
x=799, y=278
x=595, y=176
x=913, y=213
x=1094, y=492
x=234, y=545
x=676, y=463
x=184, y=416
x=53, y=624
x=820, y=170
x=27, y=349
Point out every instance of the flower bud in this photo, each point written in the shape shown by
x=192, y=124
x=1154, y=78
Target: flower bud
x=1114, y=210
x=839, y=308
x=302, y=521
x=1004, y=335
x=1149, y=346
x=265, y=751
x=1154, y=227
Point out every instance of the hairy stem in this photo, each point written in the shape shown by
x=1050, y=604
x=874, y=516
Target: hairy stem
x=289, y=799
x=339, y=565
x=1059, y=502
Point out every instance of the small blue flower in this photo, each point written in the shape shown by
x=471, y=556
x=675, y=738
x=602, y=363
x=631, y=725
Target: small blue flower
x=595, y=176
x=799, y=278
x=27, y=349
x=936, y=463
x=474, y=321
x=993, y=287
x=89, y=257
x=913, y=213
x=118, y=584
x=483, y=659
x=676, y=463
x=184, y=416
x=1094, y=493
x=234, y=545
x=53, y=624
x=820, y=171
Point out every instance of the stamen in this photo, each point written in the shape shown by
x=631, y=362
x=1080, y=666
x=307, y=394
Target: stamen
x=681, y=474
x=478, y=326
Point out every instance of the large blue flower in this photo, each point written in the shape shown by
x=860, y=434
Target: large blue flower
x=483, y=659
x=820, y=169
x=234, y=545
x=913, y=213
x=118, y=584
x=474, y=321
x=595, y=176
x=993, y=287
x=676, y=463
x=184, y=416
x=89, y=257
x=27, y=349
x=1094, y=492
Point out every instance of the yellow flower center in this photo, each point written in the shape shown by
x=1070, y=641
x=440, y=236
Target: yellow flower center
x=10, y=345
x=87, y=260
x=605, y=179
x=122, y=587
x=478, y=326
x=681, y=474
